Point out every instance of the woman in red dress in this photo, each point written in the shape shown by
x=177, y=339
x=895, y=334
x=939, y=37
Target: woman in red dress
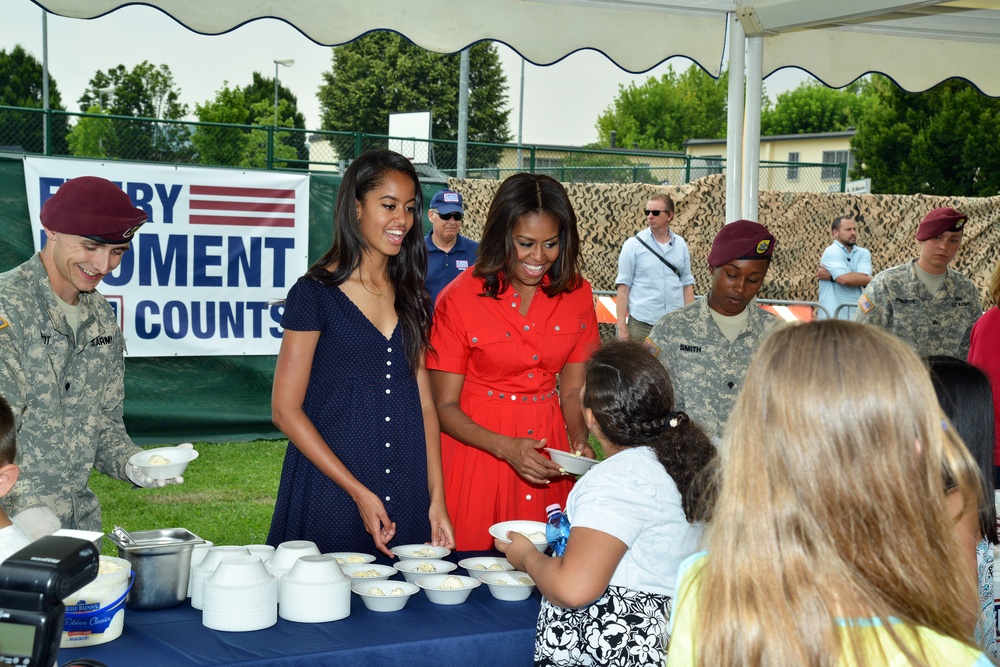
x=501, y=335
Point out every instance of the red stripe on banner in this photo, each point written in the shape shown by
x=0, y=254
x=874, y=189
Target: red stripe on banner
x=222, y=191
x=238, y=220
x=260, y=207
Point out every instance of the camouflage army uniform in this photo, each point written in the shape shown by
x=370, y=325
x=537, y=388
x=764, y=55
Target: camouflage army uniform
x=67, y=396
x=898, y=302
x=707, y=370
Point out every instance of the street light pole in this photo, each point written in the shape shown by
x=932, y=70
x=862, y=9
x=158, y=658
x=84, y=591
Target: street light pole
x=101, y=92
x=287, y=62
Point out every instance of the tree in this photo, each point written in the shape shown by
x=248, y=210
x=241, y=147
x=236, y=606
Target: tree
x=661, y=114
x=261, y=89
x=382, y=73
x=813, y=107
x=240, y=142
x=943, y=141
x=146, y=92
x=89, y=135
x=21, y=86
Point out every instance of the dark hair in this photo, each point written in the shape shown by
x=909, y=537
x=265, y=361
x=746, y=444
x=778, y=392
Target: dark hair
x=520, y=195
x=407, y=270
x=632, y=398
x=8, y=445
x=838, y=220
x=966, y=398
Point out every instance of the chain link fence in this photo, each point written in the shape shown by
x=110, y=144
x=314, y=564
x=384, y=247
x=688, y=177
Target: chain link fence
x=129, y=138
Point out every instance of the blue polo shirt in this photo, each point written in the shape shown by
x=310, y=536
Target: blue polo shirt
x=838, y=260
x=443, y=267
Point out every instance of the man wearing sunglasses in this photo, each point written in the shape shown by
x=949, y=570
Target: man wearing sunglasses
x=654, y=272
x=448, y=252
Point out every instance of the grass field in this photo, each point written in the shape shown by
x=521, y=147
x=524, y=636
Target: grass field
x=227, y=495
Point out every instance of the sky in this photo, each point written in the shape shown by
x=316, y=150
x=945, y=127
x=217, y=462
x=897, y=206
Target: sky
x=561, y=101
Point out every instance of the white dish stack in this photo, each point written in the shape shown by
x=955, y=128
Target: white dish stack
x=286, y=554
x=315, y=590
x=240, y=596
x=198, y=553
x=207, y=566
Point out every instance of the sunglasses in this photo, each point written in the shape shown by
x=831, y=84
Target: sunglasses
x=450, y=216
x=655, y=214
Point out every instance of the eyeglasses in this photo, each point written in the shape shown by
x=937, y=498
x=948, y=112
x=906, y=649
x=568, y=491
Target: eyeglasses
x=449, y=216
x=655, y=214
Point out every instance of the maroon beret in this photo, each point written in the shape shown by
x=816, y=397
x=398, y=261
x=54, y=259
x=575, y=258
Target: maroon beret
x=92, y=207
x=939, y=221
x=742, y=239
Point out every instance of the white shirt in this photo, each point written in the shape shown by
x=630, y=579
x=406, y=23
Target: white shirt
x=12, y=540
x=631, y=497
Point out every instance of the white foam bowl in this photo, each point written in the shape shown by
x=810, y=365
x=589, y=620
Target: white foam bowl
x=414, y=569
x=508, y=585
x=500, y=530
x=384, y=602
x=179, y=458
x=480, y=565
x=288, y=552
x=354, y=571
x=431, y=585
x=411, y=551
x=352, y=557
x=239, y=571
x=574, y=465
x=316, y=569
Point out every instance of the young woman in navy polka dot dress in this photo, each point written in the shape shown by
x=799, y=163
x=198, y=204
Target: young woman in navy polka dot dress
x=363, y=466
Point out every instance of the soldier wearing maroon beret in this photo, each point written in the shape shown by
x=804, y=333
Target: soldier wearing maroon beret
x=925, y=302
x=61, y=359
x=707, y=345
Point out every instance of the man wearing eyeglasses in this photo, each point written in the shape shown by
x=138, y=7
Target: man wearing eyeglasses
x=448, y=252
x=654, y=272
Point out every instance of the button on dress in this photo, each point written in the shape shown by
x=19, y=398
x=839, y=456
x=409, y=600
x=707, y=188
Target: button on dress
x=363, y=399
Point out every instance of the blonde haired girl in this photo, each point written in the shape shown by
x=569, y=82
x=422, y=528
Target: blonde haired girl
x=831, y=541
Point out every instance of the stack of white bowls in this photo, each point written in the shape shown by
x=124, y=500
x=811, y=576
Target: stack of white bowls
x=240, y=596
x=315, y=590
x=198, y=553
x=207, y=566
x=287, y=553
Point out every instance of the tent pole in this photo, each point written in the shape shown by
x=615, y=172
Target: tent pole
x=463, y=112
x=751, y=133
x=734, y=121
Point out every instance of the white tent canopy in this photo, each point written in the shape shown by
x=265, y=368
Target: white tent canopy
x=917, y=44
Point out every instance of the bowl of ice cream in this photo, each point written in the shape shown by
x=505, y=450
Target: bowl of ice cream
x=569, y=462
x=477, y=566
x=369, y=571
x=163, y=462
x=384, y=595
x=447, y=588
x=420, y=551
x=510, y=586
x=352, y=557
x=533, y=530
x=415, y=568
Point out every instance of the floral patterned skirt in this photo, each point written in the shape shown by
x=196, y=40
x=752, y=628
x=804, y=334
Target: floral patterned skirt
x=622, y=628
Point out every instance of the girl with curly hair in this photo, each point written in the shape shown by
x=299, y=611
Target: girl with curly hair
x=635, y=517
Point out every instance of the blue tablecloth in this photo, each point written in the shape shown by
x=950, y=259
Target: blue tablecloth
x=483, y=631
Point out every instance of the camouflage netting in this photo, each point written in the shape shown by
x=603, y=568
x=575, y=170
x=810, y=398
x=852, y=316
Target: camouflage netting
x=887, y=225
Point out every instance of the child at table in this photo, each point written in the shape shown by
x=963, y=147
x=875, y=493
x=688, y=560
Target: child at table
x=12, y=538
x=634, y=518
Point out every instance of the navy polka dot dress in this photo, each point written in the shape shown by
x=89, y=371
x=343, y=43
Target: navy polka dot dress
x=363, y=399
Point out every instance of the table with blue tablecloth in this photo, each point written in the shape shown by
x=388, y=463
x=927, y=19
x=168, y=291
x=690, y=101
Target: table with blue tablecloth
x=483, y=631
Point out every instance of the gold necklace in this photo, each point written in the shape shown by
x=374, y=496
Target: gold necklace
x=377, y=294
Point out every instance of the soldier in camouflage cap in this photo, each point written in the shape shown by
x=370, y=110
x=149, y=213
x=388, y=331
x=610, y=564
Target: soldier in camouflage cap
x=927, y=304
x=707, y=345
x=61, y=365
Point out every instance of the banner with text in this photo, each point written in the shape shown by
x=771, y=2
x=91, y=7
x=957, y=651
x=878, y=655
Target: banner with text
x=203, y=276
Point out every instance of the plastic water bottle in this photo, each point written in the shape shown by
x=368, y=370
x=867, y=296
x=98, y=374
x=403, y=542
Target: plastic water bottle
x=556, y=529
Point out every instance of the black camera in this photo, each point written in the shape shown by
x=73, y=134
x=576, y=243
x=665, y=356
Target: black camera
x=33, y=583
